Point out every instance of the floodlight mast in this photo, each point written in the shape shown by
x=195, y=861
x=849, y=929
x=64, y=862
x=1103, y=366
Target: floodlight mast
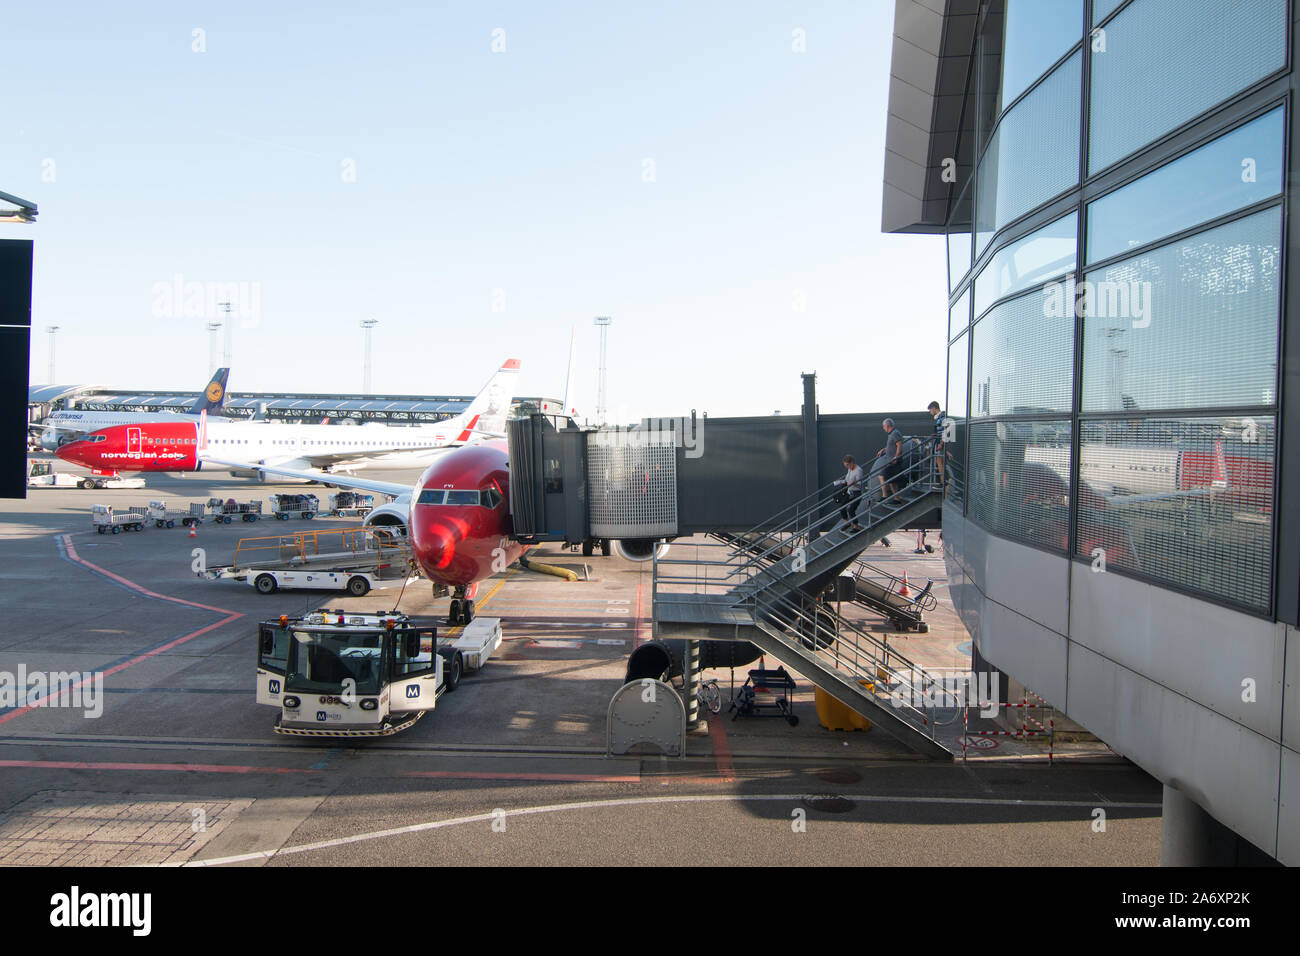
x=367, y=324
x=604, y=322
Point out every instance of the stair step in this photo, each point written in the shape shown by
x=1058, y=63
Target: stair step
x=900, y=723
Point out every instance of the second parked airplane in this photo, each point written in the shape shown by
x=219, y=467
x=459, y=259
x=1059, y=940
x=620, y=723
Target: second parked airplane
x=209, y=445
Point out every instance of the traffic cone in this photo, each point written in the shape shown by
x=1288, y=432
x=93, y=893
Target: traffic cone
x=904, y=591
x=194, y=531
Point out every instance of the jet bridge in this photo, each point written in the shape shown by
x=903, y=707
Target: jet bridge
x=671, y=477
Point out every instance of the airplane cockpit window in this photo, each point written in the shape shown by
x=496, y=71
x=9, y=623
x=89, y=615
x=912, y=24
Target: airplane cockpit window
x=462, y=497
x=431, y=496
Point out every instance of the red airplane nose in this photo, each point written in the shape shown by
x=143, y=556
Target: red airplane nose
x=73, y=451
x=437, y=541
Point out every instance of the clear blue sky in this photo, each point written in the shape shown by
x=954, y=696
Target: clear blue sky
x=521, y=171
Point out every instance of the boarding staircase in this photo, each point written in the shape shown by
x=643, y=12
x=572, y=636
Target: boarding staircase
x=764, y=586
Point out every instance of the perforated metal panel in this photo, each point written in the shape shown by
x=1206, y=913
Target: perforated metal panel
x=632, y=485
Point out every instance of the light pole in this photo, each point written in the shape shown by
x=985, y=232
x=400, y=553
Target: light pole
x=367, y=324
x=230, y=333
x=50, y=372
x=603, y=321
x=213, y=329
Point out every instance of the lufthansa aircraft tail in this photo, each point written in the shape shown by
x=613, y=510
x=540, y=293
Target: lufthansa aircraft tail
x=213, y=399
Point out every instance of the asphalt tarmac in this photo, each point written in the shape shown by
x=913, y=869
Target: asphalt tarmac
x=175, y=763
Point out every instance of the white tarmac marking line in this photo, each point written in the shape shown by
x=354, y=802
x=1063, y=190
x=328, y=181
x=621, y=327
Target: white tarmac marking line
x=645, y=801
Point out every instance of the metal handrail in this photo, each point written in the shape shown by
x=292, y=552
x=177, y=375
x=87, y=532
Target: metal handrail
x=926, y=482
x=883, y=662
x=929, y=443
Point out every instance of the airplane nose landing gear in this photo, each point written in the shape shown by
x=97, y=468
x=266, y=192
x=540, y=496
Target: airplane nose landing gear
x=461, y=610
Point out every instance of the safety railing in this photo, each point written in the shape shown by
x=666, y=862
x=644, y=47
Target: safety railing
x=919, y=475
x=849, y=649
x=737, y=559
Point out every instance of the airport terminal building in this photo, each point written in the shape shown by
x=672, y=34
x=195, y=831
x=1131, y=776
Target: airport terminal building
x=1121, y=526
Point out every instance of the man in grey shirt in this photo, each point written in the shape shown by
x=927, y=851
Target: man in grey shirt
x=893, y=451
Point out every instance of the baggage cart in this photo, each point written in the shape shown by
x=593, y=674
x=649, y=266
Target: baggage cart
x=285, y=507
x=224, y=512
x=164, y=517
x=108, y=520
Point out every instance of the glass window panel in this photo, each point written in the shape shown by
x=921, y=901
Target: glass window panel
x=954, y=465
x=988, y=76
x=1193, y=324
x=1167, y=61
x=955, y=450
x=959, y=315
x=1038, y=32
x=1203, y=185
x=1101, y=9
x=1022, y=355
x=960, y=245
x=960, y=241
x=1038, y=256
x=1019, y=484
x=1033, y=155
x=957, y=378
x=1187, y=501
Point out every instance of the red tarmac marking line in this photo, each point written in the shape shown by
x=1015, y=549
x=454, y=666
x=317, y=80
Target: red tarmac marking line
x=640, y=617
x=120, y=667
x=721, y=749
x=72, y=554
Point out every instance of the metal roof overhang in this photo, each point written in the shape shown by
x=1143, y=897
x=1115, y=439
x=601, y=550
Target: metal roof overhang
x=52, y=393
x=932, y=52
x=13, y=209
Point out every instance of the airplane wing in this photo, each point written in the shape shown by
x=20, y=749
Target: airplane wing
x=370, y=456
x=391, y=488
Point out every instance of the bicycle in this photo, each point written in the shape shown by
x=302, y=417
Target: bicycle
x=709, y=696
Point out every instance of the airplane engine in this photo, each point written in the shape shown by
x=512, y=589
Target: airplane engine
x=392, y=515
x=640, y=549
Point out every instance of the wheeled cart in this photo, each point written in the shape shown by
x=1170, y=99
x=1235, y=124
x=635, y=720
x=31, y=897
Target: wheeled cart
x=285, y=507
x=164, y=517
x=108, y=521
x=766, y=693
x=224, y=512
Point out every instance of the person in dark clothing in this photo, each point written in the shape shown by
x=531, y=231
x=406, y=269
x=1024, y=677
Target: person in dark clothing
x=893, y=451
x=940, y=424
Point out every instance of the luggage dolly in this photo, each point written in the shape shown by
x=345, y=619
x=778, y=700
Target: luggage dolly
x=777, y=682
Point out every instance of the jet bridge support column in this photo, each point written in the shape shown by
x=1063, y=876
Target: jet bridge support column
x=691, y=680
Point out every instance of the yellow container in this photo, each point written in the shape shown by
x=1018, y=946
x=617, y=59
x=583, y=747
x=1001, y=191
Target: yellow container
x=835, y=715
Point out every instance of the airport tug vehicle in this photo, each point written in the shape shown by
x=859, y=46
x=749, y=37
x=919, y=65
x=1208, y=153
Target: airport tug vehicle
x=41, y=474
x=335, y=673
